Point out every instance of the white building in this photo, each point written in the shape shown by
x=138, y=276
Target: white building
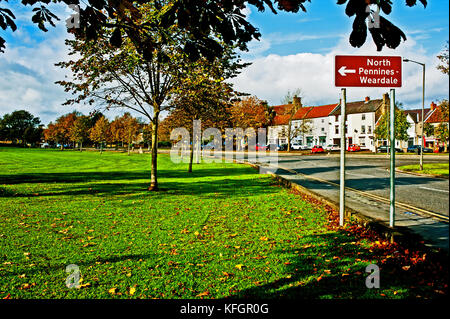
x=324, y=121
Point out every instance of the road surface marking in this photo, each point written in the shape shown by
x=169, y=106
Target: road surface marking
x=434, y=189
x=370, y=195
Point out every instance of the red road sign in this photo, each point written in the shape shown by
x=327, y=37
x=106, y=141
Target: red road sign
x=368, y=71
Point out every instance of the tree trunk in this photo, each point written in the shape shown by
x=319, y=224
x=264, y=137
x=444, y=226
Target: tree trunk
x=154, y=168
x=289, y=137
x=81, y=146
x=128, y=146
x=191, y=158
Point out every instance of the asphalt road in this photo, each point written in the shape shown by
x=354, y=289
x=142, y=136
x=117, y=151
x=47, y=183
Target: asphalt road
x=369, y=175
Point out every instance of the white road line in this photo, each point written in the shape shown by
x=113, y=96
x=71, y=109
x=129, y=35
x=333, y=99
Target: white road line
x=434, y=189
x=360, y=175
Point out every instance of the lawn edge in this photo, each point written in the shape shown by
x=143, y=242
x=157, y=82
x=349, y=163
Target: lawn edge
x=421, y=174
x=400, y=235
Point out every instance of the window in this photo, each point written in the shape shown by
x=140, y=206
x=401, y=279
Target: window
x=336, y=118
x=363, y=117
x=336, y=129
x=362, y=142
x=369, y=129
x=323, y=120
x=322, y=129
x=363, y=129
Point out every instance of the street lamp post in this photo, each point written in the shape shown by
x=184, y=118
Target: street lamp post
x=423, y=106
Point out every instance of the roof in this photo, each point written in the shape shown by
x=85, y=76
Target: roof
x=321, y=111
x=283, y=119
x=359, y=107
x=416, y=114
x=435, y=117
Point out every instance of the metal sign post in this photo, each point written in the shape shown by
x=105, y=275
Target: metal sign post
x=392, y=178
x=342, y=172
x=368, y=71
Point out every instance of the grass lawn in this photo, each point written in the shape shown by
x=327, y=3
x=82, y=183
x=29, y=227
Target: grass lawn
x=438, y=169
x=223, y=231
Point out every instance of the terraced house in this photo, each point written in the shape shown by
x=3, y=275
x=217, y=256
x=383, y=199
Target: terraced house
x=320, y=125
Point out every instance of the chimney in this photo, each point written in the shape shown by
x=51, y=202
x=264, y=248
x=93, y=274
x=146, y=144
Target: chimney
x=433, y=106
x=367, y=99
x=297, y=101
x=386, y=104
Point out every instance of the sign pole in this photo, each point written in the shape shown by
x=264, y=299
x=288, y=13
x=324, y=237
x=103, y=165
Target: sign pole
x=392, y=181
x=342, y=171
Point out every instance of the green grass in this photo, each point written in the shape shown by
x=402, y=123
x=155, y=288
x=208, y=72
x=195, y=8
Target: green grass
x=438, y=169
x=222, y=231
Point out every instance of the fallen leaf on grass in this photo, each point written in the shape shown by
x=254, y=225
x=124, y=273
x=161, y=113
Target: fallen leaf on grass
x=202, y=294
x=112, y=291
x=84, y=285
x=239, y=266
x=264, y=238
x=132, y=290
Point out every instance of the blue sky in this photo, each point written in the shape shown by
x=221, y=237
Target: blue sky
x=295, y=51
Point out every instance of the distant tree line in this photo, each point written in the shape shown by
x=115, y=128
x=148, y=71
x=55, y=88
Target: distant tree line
x=73, y=129
x=20, y=127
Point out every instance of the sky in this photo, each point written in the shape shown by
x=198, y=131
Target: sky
x=296, y=51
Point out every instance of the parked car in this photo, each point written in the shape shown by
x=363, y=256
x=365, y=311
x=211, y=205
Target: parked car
x=354, y=148
x=384, y=149
x=277, y=147
x=260, y=147
x=296, y=146
x=417, y=148
x=332, y=147
x=317, y=149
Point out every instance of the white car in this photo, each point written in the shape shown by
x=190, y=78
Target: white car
x=332, y=147
x=296, y=146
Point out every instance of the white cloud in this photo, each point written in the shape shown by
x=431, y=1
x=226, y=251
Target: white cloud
x=271, y=76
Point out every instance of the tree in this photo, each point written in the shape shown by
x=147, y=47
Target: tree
x=131, y=128
x=202, y=94
x=79, y=132
x=292, y=105
x=147, y=134
x=117, y=131
x=205, y=21
x=60, y=131
x=123, y=78
x=250, y=112
x=101, y=133
x=428, y=129
x=443, y=57
x=383, y=129
x=21, y=126
x=442, y=130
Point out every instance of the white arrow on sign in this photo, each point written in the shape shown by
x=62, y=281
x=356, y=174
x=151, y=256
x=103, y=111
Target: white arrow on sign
x=343, y=71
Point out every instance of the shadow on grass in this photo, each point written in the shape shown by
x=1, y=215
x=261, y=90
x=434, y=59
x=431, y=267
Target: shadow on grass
x=346, y=277
x=87, y=176
x=203, y=181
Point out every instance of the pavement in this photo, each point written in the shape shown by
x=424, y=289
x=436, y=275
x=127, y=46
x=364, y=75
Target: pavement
x=422, y=203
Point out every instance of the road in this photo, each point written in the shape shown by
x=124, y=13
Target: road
x=367, y=176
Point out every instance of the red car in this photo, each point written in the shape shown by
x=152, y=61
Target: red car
x=317, y=149
x=260, y=147
x=354, y=148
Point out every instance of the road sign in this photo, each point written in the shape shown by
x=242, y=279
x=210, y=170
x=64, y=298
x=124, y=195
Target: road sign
x=368, y=71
